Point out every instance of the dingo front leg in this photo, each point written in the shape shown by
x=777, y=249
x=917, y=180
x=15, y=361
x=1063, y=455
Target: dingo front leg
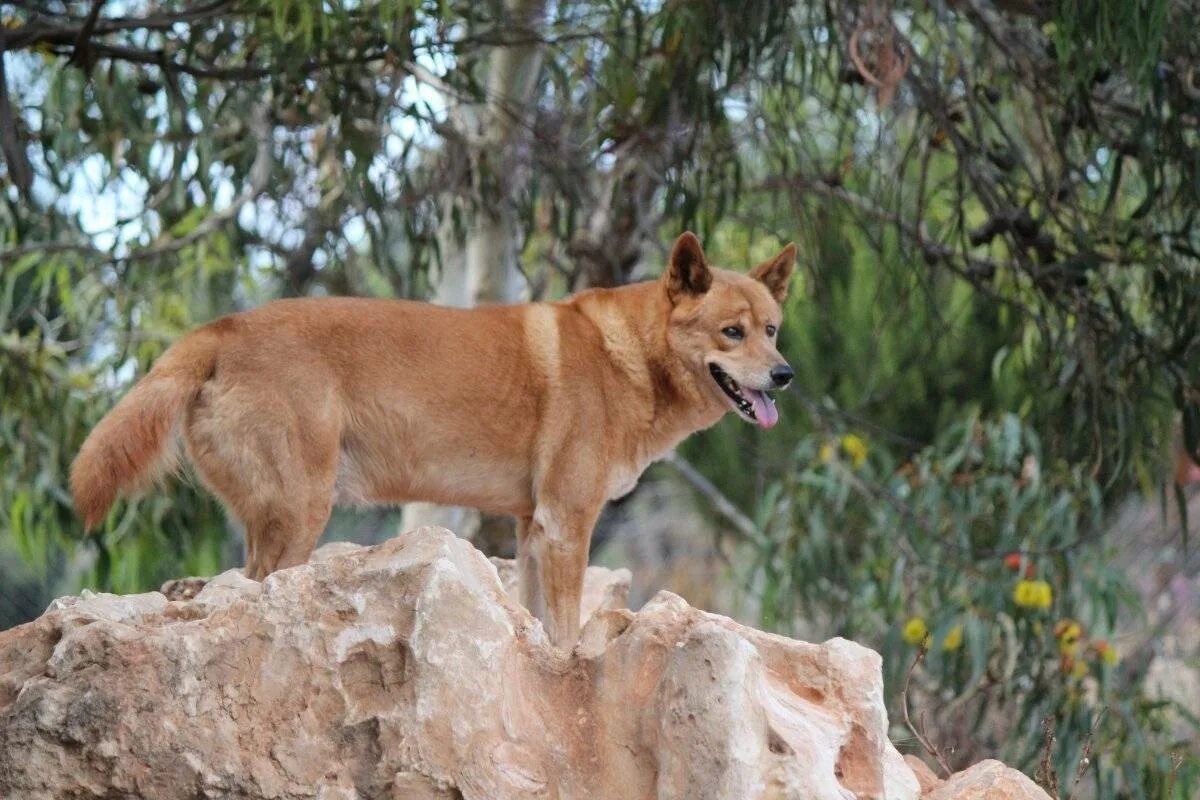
x=559, y=543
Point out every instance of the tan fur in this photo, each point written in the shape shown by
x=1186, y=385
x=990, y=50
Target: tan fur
x=543, y=411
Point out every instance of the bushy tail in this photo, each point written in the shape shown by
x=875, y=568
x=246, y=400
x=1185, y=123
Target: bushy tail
x=133, y=445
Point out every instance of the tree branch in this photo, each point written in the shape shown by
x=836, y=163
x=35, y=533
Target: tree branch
x=256, y=183
x=724, y=506
x=80, y=51
x=20, y=171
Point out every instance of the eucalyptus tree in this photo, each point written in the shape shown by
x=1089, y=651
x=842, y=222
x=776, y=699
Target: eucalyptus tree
x=165, y=162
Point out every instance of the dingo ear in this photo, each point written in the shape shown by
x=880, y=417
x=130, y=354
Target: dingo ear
x=687, y=270
x=775, y=273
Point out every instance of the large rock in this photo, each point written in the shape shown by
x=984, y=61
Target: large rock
x=988, y=780
x=405, y=671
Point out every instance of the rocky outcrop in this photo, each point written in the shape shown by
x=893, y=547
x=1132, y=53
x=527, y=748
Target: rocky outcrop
x=988, y=780
x=405, y=671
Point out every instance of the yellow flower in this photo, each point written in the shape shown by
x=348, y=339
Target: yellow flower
x=1106, y=651
x=1023, y=593
x=825, y=454
x=1080, y=670
x=915, y=630
x=1033, y=594
x=1067, y=628
x=856, y=448
x=1068, y=632
x=953, y=639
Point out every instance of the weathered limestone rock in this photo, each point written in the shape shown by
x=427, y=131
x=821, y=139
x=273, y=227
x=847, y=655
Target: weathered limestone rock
x=927, y=779
x=405, y=671
x=988, y=780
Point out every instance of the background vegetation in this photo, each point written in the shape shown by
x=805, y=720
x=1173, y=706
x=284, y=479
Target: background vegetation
x=996, y=328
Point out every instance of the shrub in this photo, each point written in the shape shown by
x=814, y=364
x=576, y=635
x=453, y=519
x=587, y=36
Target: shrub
x=994, y=563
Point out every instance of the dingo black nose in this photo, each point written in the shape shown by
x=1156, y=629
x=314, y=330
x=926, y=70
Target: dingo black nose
x=782, y=375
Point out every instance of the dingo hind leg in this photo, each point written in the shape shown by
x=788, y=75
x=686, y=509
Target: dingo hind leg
x=272, y=460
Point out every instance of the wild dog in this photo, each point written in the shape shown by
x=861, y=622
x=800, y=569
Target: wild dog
x=544, y=411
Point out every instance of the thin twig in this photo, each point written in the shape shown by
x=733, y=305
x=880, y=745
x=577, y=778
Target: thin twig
x=1085, y=757
x=920, y=735
x=1046, y=776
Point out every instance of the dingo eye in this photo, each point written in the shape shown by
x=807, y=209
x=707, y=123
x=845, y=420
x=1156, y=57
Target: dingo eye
x=733, y=332
x=771, y=330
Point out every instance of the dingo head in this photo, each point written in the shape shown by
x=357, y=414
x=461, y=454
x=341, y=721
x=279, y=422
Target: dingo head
x=724, y=325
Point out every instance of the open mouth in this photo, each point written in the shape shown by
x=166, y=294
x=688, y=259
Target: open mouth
x=754, y=405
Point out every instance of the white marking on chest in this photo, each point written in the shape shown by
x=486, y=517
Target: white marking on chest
x=623, y=479
x=621, y=482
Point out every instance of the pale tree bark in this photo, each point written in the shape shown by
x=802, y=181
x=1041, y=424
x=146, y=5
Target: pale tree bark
x=480, y=237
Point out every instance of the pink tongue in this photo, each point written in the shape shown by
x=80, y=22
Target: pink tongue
x=764, y=410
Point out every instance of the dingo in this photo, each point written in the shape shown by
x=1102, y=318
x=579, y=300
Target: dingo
x=543, y=411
